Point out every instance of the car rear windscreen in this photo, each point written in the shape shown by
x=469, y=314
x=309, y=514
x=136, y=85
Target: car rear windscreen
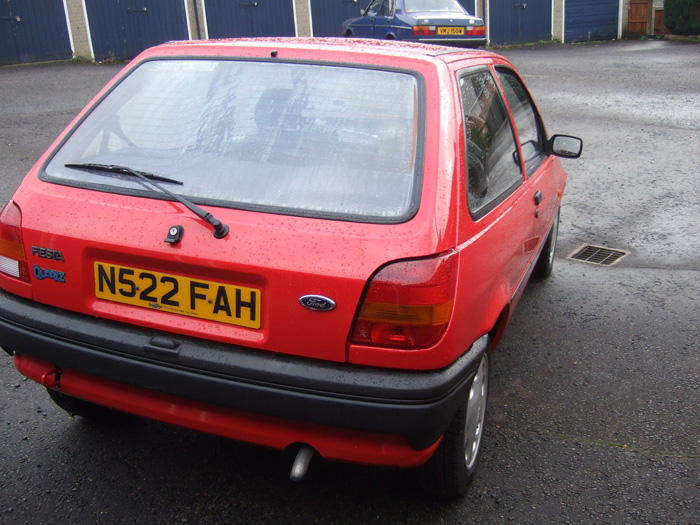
x=323, y=140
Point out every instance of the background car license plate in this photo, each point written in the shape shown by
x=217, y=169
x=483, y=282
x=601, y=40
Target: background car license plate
x=450, y=30
x=225, y=303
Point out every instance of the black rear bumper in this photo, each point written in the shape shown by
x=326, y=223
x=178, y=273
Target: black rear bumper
x=416, y=405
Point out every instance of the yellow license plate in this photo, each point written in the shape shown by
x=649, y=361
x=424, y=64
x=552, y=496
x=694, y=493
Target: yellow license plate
x=225, y=303
x=450, y=30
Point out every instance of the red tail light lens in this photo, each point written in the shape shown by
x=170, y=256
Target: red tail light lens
x=408, y=304
x=424, y=30
x=13, y=259
x=476, y=31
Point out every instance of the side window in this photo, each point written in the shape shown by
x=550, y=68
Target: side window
x=387, y=7
x=374, y=8
x=527, y=121
x=492, y=168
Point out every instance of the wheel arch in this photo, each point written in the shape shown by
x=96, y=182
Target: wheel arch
x=499, y=326
x=487, y=314
x=496, y=315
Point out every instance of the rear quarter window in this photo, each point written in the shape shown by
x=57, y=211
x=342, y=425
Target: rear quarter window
x=493, y=170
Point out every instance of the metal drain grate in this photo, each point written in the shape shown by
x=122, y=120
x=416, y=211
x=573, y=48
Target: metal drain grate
x=597, y=255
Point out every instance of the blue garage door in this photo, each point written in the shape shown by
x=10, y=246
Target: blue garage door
x=519, y=21
x=250, y=18
x=121, y=29
x=591, y=20
x=327, y=16
x=33, y=31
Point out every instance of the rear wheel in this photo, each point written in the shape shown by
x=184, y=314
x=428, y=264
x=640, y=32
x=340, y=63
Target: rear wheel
x=451, y=470
x=79, y=407
x=545, y=262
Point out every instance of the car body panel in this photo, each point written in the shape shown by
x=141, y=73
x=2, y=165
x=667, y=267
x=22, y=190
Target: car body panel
x=323, y=246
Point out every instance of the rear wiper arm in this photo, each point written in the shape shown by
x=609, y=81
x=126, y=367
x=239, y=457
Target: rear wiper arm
x=121, y=170
x=220, y=229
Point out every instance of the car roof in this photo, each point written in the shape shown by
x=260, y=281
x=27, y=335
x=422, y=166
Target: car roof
x=353, y=46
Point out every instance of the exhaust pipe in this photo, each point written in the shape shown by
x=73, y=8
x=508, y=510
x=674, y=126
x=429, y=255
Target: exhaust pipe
x=301, y=463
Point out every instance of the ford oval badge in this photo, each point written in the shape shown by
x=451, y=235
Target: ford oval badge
x=317, y=303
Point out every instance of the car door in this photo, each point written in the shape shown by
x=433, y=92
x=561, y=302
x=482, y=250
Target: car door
x=542, y=180
x=384, y=21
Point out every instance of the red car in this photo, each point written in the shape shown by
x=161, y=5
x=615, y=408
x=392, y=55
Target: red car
x=289, y=242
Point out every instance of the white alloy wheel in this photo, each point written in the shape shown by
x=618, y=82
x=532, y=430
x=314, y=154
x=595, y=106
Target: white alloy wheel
x=476, y=414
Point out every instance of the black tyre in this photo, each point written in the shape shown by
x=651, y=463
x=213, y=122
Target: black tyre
x=79, y=407
x=545, y=262
x=451, y=470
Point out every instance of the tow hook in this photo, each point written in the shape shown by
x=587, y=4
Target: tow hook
x=52, y=379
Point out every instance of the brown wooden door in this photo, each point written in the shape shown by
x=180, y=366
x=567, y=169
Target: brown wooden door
x=638, y=17
x=659, y=26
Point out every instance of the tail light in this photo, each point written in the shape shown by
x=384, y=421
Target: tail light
x=408, y=304
x=13, y=259
x=476, y=31
x=424, y=30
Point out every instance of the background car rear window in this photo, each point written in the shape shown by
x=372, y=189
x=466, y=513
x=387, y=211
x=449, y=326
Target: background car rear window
x=492, y=170
x=319, y=140
x=413, y=6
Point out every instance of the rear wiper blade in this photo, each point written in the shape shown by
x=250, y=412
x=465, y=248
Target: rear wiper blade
x=220, y=229
x=120, y=170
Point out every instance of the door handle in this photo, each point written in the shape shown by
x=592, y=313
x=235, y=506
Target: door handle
x=538, y=198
